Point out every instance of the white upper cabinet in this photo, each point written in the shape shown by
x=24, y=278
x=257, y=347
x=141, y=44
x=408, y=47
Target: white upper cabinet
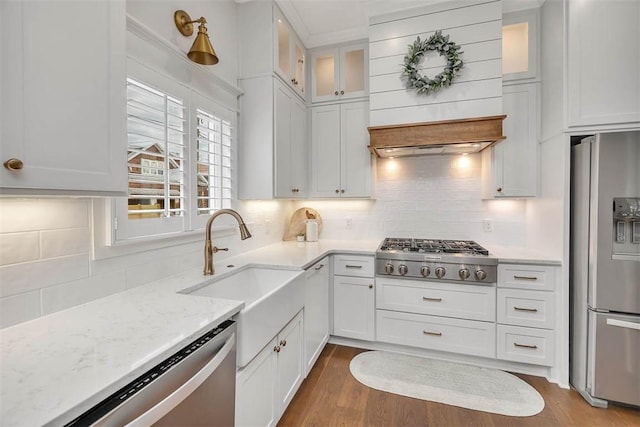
x=603, y=64
x=289, y=54
x=268, y=44
x=340, y=73
x=63, y=97
x=520, y=46
x=340, y=159
x=510, y=168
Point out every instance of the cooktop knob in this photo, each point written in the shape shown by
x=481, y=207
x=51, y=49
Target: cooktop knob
x=425, y=270
x=481, y=274
x=464, y=273
x=440, y=272
x=388, y=268
x=403, y=269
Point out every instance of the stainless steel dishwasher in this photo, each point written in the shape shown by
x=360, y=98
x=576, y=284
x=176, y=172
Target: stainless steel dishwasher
x=194, y=387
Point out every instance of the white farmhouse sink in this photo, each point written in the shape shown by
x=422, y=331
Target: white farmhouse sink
x=271, y=298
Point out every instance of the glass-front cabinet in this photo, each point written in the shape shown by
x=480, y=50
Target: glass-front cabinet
x=339, y=73
x=520, y=46
x=290, y=54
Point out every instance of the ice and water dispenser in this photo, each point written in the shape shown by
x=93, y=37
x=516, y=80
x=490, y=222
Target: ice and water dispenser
x=626, y=222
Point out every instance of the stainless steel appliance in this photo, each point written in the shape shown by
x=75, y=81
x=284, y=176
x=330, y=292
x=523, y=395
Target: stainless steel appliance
x=605, y=268
x=436, y=260
x=193, y=387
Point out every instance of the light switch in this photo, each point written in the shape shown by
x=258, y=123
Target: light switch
x=635, y=232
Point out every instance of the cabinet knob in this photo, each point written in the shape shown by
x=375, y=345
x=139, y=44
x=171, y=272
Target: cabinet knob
x=370, y=286
x=341, y=92
x=335, y=93
x=342, y=191
x=13, y=164
x=499, y=189
x=293, y=81
x=337, y=191
x=276, y=349
x=283, y=343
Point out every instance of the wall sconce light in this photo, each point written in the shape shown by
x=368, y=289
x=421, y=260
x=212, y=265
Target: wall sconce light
x=201, y=52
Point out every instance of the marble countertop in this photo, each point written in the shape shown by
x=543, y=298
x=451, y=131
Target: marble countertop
x=54, y=368
x=518, y=255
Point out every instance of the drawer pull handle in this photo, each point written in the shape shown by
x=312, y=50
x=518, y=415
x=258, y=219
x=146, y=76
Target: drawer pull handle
x=437, y=334
x=530, y=310
x=533, y=347
x=431, y=299
x=353, y=266
x=525, y=277
x=319, y=267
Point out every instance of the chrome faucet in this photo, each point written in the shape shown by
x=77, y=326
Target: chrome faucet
x=209, y=249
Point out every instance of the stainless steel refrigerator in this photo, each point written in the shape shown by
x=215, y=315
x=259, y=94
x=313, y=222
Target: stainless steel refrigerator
x=605, y=268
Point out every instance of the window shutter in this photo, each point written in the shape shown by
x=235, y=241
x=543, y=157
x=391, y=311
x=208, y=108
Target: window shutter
x=213, y=162
x=156, y=152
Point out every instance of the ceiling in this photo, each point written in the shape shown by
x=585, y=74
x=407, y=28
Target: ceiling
x=325, y=22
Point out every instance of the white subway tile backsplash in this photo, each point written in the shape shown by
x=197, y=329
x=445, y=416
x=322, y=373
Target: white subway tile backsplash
x=19, y=308
x=18, y=278
x=18, y=247
x=56, y=243
x=60, y=297
x=43, y=214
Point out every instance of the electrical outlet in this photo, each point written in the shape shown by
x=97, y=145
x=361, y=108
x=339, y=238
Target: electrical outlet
x=349, y=223
x=267, y=226
x=487, y=225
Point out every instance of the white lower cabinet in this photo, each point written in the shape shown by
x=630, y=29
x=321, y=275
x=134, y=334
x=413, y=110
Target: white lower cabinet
x=316, y=312
x=436, y=333
x=354, y=297
x=526, y=307
x=265, y=387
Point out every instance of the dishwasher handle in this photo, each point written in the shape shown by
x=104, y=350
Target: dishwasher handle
x=166, y=405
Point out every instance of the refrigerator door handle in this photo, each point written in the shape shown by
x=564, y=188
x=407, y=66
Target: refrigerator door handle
x=623, y=324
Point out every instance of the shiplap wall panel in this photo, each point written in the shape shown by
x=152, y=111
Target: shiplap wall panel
x=461, y=17
x=435, y=112
x=461, y=91
x=480, y=32
x=476, y=26
x=483, y=70
x=474, y=52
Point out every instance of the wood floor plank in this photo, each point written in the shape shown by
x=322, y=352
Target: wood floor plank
x=331, y=396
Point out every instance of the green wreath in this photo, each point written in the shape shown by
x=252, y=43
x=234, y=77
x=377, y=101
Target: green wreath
x=445, y=48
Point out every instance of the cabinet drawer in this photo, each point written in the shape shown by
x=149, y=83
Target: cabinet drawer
x=353, y=265
x=527, y=345
x=534, y=277
x=436, y=333
x=526, y=308
x=449, y=299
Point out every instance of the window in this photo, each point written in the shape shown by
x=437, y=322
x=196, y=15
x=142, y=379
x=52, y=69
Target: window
x=180, y=157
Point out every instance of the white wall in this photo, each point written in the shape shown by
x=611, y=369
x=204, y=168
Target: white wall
x=475, y=25
x=222, y=23
x=425, y=197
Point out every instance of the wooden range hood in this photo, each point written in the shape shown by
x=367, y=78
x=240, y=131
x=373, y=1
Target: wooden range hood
x=436, y=138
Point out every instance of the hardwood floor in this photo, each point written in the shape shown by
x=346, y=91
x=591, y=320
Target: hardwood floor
x=330, y=396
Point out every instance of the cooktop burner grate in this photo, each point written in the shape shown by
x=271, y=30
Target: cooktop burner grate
x=468, y=247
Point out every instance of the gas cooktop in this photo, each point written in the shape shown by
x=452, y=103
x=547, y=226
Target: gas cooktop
x=436, y=259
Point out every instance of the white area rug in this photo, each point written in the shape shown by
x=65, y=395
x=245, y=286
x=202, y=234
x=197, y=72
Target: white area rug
x=472, y=387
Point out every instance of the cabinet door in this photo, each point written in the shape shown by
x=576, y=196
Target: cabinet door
x=63, y=96
x=514, y=161
x=256, y=389
x=520, y=45
x=602, y=73
x=298, y=63
x=356, y=158
x=299, y=158
x=325, y=151
x=325, y=75
x=283, y=162
x=316, y=312
x=353, y=307
x=354, y=75
x=290, y=364
x=282, y=46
